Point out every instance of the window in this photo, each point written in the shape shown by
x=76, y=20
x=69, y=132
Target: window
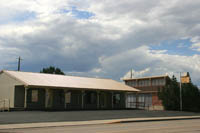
x=116, y=99
x=154, y=82
x=161, y=82
x=91, y=98
x=140, y=82
x=34, y=96
x=146, y=82
x=133, y=83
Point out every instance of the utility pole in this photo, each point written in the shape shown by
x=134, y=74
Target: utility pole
x=180, y=90
x=19, y=63
x=180, y=94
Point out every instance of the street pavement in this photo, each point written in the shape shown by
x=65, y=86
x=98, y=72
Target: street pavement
x=93, y=122
x=18, y=117
x=176, y=126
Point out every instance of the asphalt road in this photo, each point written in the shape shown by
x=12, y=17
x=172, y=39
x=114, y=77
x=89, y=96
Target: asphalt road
x=178, y=126
x=67, y=116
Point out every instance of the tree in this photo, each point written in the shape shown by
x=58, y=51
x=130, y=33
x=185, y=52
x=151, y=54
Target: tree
x=52, y=70
x=170, y=95
x=191, y=97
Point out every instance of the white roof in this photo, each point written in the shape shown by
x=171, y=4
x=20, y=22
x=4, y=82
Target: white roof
x=30, y=79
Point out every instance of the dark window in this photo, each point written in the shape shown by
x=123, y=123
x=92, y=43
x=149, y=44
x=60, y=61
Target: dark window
x=116, y=98
x=91, y=98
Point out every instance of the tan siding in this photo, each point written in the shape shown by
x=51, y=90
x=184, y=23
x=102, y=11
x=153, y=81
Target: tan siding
x=7, y=87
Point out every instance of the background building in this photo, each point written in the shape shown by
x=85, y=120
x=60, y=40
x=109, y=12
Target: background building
x=37, y=91
x=148, y=95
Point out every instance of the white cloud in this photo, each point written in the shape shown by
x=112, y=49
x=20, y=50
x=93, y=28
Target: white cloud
x=110, y=43
x=146, y=63
x=135, y=74
x=196, y=47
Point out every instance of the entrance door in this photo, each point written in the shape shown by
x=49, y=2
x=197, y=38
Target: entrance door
x=19, y=96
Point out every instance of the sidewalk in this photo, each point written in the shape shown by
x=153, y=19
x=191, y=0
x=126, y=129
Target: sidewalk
x=92, y=122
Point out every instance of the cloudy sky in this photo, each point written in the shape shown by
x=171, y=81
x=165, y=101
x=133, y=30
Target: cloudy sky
x=102, y=38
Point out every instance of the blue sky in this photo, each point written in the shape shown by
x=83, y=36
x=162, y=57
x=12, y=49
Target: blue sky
x=102, y=38
x=78, y=13
x=23, y=17
x=176, y=47
x=18, y=17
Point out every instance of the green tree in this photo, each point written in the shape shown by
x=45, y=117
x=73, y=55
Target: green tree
x=191, y=97
x=170, y=95
x=52, y=70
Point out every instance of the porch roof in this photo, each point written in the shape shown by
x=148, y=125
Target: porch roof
x=30, y=79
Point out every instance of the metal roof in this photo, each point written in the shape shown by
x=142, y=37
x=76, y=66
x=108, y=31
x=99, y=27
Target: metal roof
x=30, y=79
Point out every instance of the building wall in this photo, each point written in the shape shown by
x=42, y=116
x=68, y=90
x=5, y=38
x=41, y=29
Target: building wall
x=149, y=86
x=7, y=88
x=155, y=100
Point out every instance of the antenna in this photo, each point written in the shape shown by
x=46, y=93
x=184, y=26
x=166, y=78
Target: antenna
x=19, y=63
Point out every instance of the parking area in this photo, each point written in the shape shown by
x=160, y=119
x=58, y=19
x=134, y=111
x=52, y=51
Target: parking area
x=44, y=116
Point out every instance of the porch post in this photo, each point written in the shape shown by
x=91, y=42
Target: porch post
x=112, y=100
x=125, y=99
x=97, y=99
x=65, y=91
x=82, y=101
x=25, y=98
x=46, y=97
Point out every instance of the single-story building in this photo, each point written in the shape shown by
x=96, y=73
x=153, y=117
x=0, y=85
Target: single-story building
x=38, y=91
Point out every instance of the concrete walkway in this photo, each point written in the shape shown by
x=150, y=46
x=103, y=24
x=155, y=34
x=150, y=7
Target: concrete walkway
x=92, y=122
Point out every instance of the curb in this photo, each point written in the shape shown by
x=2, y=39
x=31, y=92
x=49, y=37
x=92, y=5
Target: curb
x=159, y=119
x=93, y=122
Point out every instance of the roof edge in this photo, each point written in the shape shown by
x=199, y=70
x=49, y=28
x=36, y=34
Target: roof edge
x=57, y=87
x=145, y=77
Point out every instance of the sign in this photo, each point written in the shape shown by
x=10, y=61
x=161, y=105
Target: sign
x=68, y=97
x=34, y=96
x=185, y=79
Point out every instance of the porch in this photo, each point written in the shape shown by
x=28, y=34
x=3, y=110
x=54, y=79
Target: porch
x=68, y=99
